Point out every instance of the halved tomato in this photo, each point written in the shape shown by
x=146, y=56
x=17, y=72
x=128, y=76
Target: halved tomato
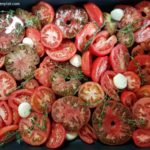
x=91, y=93
x=119, y=58
x=86, y=63
x=99, y=66
x=44, y=11
x=87, y=134
x=133, y=80
x=5, y=112
x=57, y=136
x=108, y=85
x=94, y=13
x=102, y=44
x=144, y=91
x=35, y=129
x=141, y=111
x=31, y=84
x=51, y=36
x=19, y=96
x=141, y=137
x=70, y=112
x=42, y=99
x=2, y=60
x=7, y=84
x=63, y=52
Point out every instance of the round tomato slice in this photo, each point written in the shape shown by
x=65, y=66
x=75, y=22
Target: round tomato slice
x=119, y=58
x=112, y=129
x=108, y=85
x=144, y=8
x=51, y=36
x=5, y=112
x=44, y=11
x=99, y=66
x=31, y=84
x=133, y=80
x=91, y=93
x=7, y=84
x=94, y=13
x=62, y=53
x=102, y=44
x=35, y=129
x=71, y=113
x=86, y=63
x=128, y=98
x=15, y=116
x=83, y=37
x=87, y=134
x=141, y=137
x=42, y=99
x=57, y=136
x=19, y=96
x=2, y=60
x=141, y=65
x=141, y=111
x=144, y=91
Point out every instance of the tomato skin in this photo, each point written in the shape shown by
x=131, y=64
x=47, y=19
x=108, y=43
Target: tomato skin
x=99, y=66
x=144, y=91
x=119, y=58
x=57, y=136
x=5, y=112
x=62, y=53
x=141, y=137
x=102, y=44
x=86, y=63
x=2, y=124
x=2, y=60
x=128, y=98
x=94, y=13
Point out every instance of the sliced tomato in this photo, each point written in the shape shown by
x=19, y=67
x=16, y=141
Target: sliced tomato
x=133, y=80
x=131, y=16
x=40, y=49
x=94, y=13
x=83, y=37
x=113, y=127
x=141, y=111
x=19, y=96
x=42, y=99
x=142, y=62
x=51, y=36
x=7, y=84
x=143, y=34
x=35, y=129
x=15, y=116
x=57, y=136
x=108, y=85
x=144, y=8
x=128, y=98
x=86, y=63
x=91, y=93
x=141, y=137
x=99, y=66
x=2, y=124
x=44, y=11
x=102, y=44
x=2, y=60
x=62, y=53
x=31, y=84
x=87, y=134
x=144, y=91
x=70, y=112
x=5, y=112
x=119, y=58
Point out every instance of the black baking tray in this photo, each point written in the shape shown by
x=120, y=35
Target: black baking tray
x=105, y=5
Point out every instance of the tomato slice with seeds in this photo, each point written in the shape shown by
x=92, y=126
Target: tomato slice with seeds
x=42, y=99
x=35, y=129
x=19, y=96
x=31, y=84
x=57, y=136
x=63, y=52
x=51, y=36
x=91, y=93
x=141, y=111
x=144, y=91
x=5, y=112
x=7, y=84
x=70, y=112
